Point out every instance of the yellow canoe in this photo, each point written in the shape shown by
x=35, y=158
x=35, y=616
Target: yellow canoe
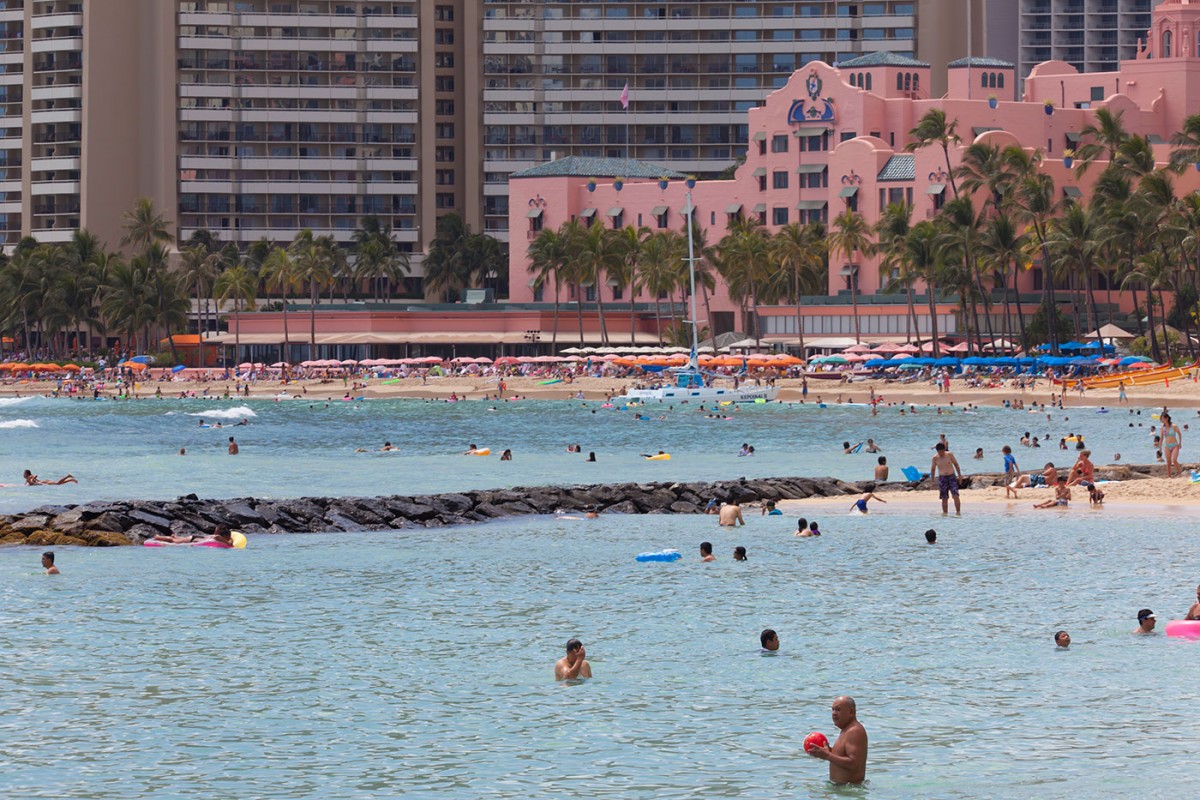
x=1141, y=377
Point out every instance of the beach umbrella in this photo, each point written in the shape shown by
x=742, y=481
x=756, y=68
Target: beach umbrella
x=1127, y=360
x=482, y=360
x=1141, y=365
x=901, y=356
x=462, y=360
x=506, y=361
x=946, y=361
x=877, y=362
x=910, y=365
x=908, y=348
x=886, y=347
x=135, y=365
x=176, y=368
x=245, y=365
x=976, y=361
x=349, y=362
x=143, y=360
x=71, y=367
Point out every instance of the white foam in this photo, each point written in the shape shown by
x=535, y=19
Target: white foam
x=12, y=401
x=18, y=423
x=237, y=412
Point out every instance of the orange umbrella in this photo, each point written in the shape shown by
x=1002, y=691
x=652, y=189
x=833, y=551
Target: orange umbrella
x=137, y=365
x=71, y=367
x=17, y=365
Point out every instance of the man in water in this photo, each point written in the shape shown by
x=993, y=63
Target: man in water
x=739, y=553
x=1194, y=611
x=872, y=447
x=1062, y=639
x=34, y=480
x=769, y=640
x=946, y=471
x=881, y=470
x=574, y=664
x=233, y=447
x=1146, y=621
x=931, y=536
x=848, y=756
x=706, y=553
x=731, y=515
x=48, y=563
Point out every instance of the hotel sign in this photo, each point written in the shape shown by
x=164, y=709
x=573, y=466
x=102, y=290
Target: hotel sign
x=814, y=108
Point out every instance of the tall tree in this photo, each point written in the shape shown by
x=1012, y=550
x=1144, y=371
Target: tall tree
x=239, y=284
x=935, y=128
x=851, y=234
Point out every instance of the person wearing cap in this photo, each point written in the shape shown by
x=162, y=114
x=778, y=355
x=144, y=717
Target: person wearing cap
x=1146, y=621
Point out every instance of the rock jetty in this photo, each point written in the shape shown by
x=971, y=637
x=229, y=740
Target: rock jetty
x=111, y=523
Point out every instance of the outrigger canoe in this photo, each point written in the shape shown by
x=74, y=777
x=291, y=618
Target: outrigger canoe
x=1142, y=377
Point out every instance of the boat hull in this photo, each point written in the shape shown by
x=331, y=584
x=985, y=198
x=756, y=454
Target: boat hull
x=707, y=394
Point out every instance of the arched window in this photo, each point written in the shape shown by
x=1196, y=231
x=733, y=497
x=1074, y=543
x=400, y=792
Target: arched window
x=852, y=79
x=916, y=82
x=868, y=81
x=983, y=79
x=1166, y=44
x=1000, y=80
x=907, y=81
x=899, y=82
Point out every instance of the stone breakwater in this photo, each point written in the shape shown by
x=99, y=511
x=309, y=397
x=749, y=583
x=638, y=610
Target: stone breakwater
x=111, y=523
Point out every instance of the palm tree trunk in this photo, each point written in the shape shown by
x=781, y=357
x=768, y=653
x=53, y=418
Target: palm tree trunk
x=933, y=328
x=658, y=317
x=854, y=303
x=579, y=310
x=1048, y=295
x=554, y=333
x=600, y=313
x=1166, y=341
x=283, y=351
x=799, y=318
x=1155, y=352
x=910, y=323
x=632, y=316
x=312, y=320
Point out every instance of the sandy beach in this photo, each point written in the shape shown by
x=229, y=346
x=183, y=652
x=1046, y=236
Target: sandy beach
x=1179, y=394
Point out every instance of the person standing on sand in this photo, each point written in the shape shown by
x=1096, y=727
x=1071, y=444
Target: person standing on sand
x=847, y=756
x=945, y=470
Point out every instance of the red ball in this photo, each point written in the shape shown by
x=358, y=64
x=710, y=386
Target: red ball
x=814, y=740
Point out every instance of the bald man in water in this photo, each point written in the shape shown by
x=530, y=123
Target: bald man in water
x=848, y=756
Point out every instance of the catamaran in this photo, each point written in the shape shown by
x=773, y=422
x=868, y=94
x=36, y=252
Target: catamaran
x=690, y=383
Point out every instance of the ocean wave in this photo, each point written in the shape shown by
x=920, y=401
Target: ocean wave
x=18, y=423
x=12, y=401
x=237, y=412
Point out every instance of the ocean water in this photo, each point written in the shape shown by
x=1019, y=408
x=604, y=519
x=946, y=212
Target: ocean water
x=419, y=663
x=130, y=449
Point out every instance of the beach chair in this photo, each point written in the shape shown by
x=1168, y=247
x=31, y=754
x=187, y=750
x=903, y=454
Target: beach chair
x=913, y=474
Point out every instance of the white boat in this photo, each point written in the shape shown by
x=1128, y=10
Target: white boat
x=689, y=387
x=689, y=382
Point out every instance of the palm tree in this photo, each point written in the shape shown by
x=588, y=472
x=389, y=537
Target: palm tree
x=851, y=235
x=200, y=268
x=1002, y=246
x=1104, y=137
x=892, y=232
x=656, y=269
x=924, y=256
x=144, y=226
x=279, y=275
x=547, y=259
x=312, y=263
x=961, y=227
x=1034, y=204
x=1185, y=144
x=745, y=258
x=597, y=253
x=631, y=239
x=239, y=284
x=983, y=167
x=1075, y=239
x=931, y=128
x=129, y=304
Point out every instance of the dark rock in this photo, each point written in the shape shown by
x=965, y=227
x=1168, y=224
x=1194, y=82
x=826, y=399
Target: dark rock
x=141, y=532
x=412, y=511
x=242, y=515
x=162, y=524
x=657, y=500
x=684, y=507
x=489, y=511
x=30, y=522
x=625, y=507
x=517, y=508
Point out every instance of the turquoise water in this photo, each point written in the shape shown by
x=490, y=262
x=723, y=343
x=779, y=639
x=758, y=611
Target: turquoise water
x=419, y=664
x=130, y=449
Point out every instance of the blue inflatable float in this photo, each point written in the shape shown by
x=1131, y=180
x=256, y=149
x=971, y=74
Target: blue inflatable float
x=661, y=555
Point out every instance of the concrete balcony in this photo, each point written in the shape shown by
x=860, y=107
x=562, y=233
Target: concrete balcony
x=39, y=188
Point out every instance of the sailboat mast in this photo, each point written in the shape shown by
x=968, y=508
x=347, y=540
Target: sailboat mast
x=692, y=276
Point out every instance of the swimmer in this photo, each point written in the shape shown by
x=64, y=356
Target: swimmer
x=706, y=553
x=471, y=450
x=506, y=455
x=183, y=451
x=860, y=505
x=978, y=453
x=739, y=554
x=387, y=448
x=220, y=535
x=233, y=447
x=745, y=451
x=171, y=539
x=881, y=470
x=1194, y=611
x=802, y=527
x=769, y=641
x=730, y=515
x=48, y=563
x=872, y=447
x=591, y=458
x=1146, y=621
x=1062, y=639
x=574, y=664
x=34, y=480
x=813, y=530
x=931, y=536
x=847, y=756
x=1062, y=496
x=769, y=510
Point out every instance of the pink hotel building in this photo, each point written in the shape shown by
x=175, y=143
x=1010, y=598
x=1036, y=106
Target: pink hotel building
x=833, y=138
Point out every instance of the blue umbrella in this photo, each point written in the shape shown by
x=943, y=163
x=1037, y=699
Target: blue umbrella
x=946, y=361
x=977, y=361
x=1127, y=360
x=143, y=359
x=178, y=368
x=877, y=362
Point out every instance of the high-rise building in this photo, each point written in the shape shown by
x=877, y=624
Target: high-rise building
x=260, y=118
x=1091, y=35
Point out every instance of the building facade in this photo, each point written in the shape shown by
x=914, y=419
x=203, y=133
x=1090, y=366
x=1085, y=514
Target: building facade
x=258, y=118
x=1090, y=35
x=834, y=139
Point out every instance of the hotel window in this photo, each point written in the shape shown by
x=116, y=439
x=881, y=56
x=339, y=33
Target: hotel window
x=779, y=143
x=779, y=180
x=779, y=216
